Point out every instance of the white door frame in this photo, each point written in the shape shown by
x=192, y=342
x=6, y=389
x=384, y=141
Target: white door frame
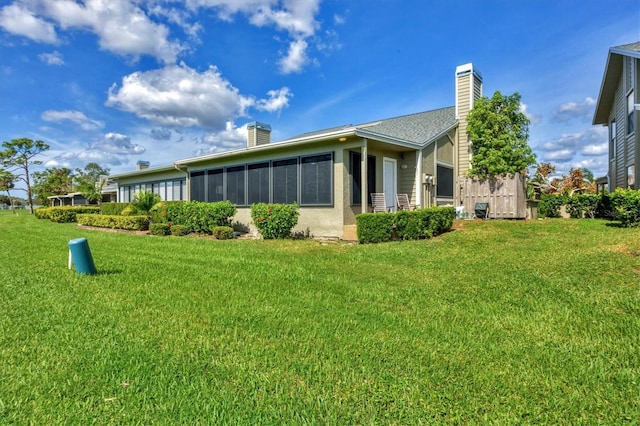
x=390, y=181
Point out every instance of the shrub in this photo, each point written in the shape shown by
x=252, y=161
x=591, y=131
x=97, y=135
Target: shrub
x=274, y=220
x=405, y=225
x=129, y=211
x=222, y=232
x=131, y=223
x=550, y=204
x=113, y=208
x=67, y=214
x=179, y=230
x=626, y=206
x=374, y=227
x=583, y=205
x=160, y=229
x=43, y=213
x=144, y=201
x=198, y=216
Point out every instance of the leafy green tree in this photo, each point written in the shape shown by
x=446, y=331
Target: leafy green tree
x=53, y=181
x=499, y=133
x=90, y=181
x=144, y=200
x=7, y=180
x=18, y=155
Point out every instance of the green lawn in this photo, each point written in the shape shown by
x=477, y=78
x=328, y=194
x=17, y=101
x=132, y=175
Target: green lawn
x=498, y=322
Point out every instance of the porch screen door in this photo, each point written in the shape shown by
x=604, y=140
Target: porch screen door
x=390, y=181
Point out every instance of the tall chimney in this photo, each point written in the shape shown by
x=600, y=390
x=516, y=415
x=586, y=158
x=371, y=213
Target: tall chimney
x=468, y=89
x=141, y=165
x=258, y=134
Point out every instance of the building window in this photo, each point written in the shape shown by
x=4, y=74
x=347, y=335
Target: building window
x=631, y=176
x=215, y=185
x=197, y=186
x=235, y=185
x=630, y=109
x=258, y=183
x=316, y=183
x=285, y=181
x=612, y=139
x=444, y=181
x=356, y=176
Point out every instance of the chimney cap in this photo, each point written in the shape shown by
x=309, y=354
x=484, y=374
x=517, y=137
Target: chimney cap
x=258, y=125
x=466, y=69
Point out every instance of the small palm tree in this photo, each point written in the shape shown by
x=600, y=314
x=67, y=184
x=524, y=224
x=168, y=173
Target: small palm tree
x=144, y=200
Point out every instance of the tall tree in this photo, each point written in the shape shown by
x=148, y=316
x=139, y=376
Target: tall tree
x=499, y=133
x=53, y=181
x=539, y=183
x=18, y=155
x=91, y=180
x=7, y=180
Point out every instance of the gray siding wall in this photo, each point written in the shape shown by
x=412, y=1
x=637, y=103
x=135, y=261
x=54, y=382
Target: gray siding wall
x=407, y=176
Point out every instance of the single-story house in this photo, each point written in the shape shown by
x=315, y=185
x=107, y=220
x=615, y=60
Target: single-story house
x=329, y=173
x=618, y=109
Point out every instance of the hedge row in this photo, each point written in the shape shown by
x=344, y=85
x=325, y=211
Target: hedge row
x=113, y=208
x=622, y=205
x=131, y=223
x=198, y=216
x=404, y=225
x=64, y=214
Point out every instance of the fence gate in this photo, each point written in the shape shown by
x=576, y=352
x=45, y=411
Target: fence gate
x=506, y=196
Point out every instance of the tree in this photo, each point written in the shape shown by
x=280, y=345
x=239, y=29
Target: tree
x=539, y=183
x=18, y=154
x=144, y=200
x=574, y=182
x=499, y=133
x=7, y=180
x=90, y=181
x=54, y=181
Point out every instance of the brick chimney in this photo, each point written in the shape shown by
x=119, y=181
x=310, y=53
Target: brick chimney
x=468, y=89
x=258, y=134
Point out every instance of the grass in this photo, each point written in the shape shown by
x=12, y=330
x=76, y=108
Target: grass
x=498, y=322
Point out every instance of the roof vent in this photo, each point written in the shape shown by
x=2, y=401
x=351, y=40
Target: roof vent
x=141, y=165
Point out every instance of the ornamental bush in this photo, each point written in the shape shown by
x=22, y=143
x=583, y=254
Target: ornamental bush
x=180, y=230
x=274, y=220
x=626, y=206
x=113, y=208
x=131, y=223
x=43, y=213
x=160, y=229
x=222, y=232
x=550, y=204
x=67, y=214
x=404, y=225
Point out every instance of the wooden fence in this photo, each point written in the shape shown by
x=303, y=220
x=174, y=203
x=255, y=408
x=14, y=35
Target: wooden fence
x=506, y=196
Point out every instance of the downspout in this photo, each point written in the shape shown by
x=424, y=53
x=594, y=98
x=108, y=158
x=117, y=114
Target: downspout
x=363, y=176
x=187, y=196
x=419, y=183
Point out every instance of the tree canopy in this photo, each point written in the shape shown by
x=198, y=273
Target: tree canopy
x=90, y=180
x=53, y=181
x=499, y=133
x=18, y=155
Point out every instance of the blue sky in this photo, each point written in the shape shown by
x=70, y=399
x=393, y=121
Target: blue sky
x=115, y=82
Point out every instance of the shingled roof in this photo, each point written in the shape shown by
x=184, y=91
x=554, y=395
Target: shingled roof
x=418, y=128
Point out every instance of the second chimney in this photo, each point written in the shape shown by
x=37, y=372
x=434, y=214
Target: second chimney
x=258, y=134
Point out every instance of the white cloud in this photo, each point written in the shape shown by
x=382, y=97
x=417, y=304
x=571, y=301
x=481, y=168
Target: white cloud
x=559, y=155
x=599, y=149
x=75, y=117
x=533, y=119
x=296, y=57
x=575, y=110
x=161, y=134
x=297, y=17
x=79, y=159
x=53, y=58
x=178, y=96
x=117, y=143
x=122, y=27
x=278, y=100
x=231, y=137
x=19, y=20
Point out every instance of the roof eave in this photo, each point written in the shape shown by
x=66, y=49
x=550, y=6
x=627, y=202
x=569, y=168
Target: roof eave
x=612, y=70
x=441, y=134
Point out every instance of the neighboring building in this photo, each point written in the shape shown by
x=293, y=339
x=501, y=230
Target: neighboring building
x=617, y=108
x=330, y=173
